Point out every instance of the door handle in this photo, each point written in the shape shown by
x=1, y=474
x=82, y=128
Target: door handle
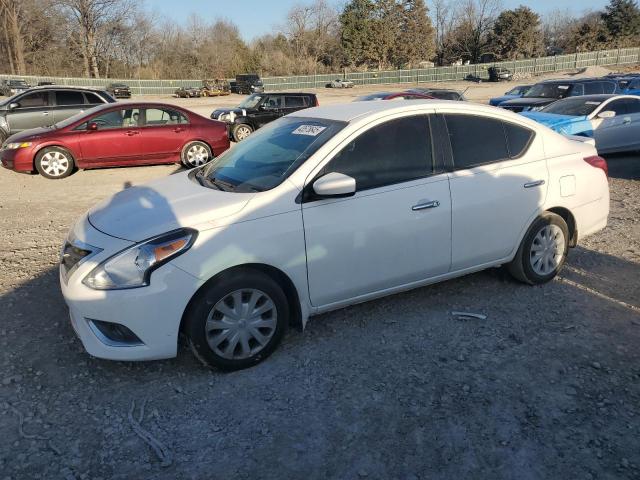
x=178, y=130
x=130, y=133
x=626, y=120
x=536, y=183
x=425, y=205
x=45, y=113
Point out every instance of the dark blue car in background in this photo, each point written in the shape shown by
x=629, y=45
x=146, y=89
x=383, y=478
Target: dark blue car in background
x=515, y=92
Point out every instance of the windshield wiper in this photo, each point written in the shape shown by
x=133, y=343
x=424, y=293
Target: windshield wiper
x=212, y=182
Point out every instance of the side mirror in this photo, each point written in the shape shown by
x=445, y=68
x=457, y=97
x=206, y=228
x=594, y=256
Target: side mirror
x=335, y=184
x=13, y=105
x=92, y=127
x=607, y=114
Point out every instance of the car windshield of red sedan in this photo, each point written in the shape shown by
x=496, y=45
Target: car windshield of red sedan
x=268, y=156
x=71, y=120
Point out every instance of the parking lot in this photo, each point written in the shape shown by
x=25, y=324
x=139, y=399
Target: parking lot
x=547, y=386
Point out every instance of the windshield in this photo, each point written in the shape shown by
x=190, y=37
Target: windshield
x=373, y=96
x=518, y=91
x=548, y=90
x=251, y=101
x=264, y=159
x=576, y=106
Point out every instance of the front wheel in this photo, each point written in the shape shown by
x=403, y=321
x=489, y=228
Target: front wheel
x=54, y=162
x=543, y=250
x=237, y=321
x=195, y=154
x=241, y=131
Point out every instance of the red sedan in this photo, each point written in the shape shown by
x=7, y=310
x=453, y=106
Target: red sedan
x=120, y=134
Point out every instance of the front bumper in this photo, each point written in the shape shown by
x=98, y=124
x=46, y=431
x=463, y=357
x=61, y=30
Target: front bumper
x=153, y=313
x=18, y=159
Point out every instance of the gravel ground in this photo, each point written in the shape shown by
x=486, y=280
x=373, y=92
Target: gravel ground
x=547, y=386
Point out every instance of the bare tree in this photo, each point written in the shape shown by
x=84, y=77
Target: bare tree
x=93, y=18
x=474, y=20
x=12, y=15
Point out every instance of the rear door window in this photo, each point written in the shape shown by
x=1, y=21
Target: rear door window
x=518, y=139
x=476, y=140
x=375, y=160
x=157, y=117
x=69, y=97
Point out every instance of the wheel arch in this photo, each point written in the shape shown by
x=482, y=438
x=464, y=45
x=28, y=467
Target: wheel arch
x=74, y=157
x=570, y=220
x=277, y=275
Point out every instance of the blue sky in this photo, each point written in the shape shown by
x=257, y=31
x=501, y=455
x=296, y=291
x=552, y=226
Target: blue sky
x=256, y=17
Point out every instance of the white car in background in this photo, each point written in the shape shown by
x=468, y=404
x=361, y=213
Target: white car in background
x=613, y=121
x=338, y=83
x=321, y=209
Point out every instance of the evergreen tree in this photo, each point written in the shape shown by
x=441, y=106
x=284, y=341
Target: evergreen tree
x=416, y=39
x=622, y=20
x=356, y=32
x=517, y=34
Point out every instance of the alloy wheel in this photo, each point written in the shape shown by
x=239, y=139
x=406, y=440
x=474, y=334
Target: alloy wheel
x=197, y=155
x=55, y=163
x=242, y=133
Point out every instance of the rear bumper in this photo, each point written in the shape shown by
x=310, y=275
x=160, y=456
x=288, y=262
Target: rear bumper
x=19, y=159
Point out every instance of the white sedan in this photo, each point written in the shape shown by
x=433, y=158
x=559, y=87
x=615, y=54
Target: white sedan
x=321, y=209
x=339, y=83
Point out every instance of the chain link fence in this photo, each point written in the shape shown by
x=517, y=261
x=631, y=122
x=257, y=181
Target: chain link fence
x=520, y=69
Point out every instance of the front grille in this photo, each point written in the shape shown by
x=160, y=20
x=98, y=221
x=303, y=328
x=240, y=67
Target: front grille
x=73, y=254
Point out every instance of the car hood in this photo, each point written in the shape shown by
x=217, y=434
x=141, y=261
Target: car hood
x=497, y=100
x=529, y=101
x=30, y=134
x=565, y=124
x=141, y=212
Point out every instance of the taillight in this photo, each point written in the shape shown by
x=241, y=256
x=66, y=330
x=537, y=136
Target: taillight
x=598, y=162
x=317, y=103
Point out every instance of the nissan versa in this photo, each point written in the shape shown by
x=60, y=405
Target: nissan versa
x=321, y=209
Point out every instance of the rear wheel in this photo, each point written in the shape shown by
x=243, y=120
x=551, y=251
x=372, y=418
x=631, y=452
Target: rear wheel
x=543, y=250
x=54, y=162
x=237, y=321
x=195, y=154
x=241, y=131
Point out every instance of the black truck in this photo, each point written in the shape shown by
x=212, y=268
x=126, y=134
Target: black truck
x=247, y=84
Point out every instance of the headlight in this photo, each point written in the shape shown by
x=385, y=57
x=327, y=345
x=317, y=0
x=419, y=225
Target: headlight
x=225, y=117
x=132, y=267
x=16, y=145
x=535, y=109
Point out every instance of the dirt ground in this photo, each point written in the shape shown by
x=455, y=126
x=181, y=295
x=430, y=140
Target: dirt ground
x=546, y=387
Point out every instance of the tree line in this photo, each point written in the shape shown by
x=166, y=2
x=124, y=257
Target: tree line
x=121, y=39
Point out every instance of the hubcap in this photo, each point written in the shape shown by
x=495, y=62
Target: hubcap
x=197, y=155
x=547, y=249
x=242, y=133
x=241, y=324
x=54, y=163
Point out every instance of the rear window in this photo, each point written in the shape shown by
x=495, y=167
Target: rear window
x=93, y=98
x=296, y=102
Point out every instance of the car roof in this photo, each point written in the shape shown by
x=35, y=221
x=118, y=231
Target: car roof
x=577, y=80
x=348, y=112
x=117, y=105
x=284, y=93
x=66, y=87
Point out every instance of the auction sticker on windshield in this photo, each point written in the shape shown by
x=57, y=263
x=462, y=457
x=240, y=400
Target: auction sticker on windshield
x=311, y=130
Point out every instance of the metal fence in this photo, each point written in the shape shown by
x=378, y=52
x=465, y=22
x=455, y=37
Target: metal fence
x=433, y=74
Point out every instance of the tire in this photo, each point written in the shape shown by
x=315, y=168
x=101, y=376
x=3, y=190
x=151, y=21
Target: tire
x=54, y=162
x=195, y=154
x=241, y=131
x=234, y=340
x=543, y=250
